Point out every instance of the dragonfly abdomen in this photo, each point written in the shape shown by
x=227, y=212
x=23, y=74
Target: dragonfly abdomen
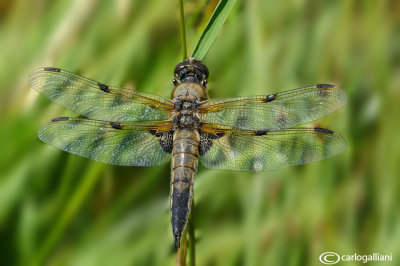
x=183, y=169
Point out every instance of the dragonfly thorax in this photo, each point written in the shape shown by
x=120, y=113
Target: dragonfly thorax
x=187, y=122
x=186, y=104
x=186, y=113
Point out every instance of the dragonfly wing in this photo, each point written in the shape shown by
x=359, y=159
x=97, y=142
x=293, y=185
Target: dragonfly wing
x=276, y=111
x=129, y=144
x=96, y=100
x=245, y=150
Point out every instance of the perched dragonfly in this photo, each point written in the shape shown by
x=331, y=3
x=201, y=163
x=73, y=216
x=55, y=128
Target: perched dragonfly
x=132, y=128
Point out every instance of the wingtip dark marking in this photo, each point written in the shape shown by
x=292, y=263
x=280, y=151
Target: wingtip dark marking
x=103, y=87
x=323, y=130
x=270, y=98
x=324, y=86
x=260, y=132
x=115, y=125
x=59, y=119
x=52, y=69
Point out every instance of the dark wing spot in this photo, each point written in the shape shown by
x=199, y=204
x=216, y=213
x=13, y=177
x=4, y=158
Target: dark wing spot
x=323, y=130
x=155, y=133
x=260, y=132
x=219, y=135
x=103, y=87
x=115, y=125
x=323, y=86
x=269, y=98
x=206, y=141
x=52, y=69
x=59, y=119
x=166, y=141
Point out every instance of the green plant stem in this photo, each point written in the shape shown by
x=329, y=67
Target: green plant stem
x=191, y=240
x=183, y=32
x=182, y=251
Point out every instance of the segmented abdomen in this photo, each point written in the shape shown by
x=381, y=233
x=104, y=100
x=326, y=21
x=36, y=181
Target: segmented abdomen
x=183, y=169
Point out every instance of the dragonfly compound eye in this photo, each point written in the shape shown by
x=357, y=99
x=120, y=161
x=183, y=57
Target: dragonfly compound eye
x=191, y=70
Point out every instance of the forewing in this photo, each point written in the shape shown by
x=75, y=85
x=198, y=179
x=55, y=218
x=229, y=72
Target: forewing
x=96, y=100
x=276, y=111
x=129, y=144
x=243, y=150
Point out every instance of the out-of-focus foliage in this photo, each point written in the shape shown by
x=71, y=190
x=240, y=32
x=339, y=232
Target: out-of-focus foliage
x=60, y=209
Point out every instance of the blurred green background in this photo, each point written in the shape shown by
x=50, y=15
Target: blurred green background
x=60, y=209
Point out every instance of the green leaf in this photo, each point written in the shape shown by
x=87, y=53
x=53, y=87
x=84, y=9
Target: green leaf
x=214, y=25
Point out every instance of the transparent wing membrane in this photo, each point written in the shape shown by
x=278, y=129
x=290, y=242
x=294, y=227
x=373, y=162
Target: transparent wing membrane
x=128, y=144
x=96, y=100
x=245, y=150
x=276, y=111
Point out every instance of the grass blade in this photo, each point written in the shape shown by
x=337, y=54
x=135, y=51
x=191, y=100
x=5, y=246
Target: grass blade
x=183, y=32
x=214, y=25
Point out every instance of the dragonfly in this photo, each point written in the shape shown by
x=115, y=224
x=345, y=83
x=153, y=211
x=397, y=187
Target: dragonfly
x=127, y=127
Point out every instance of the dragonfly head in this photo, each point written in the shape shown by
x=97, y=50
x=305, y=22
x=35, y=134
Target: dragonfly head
x=191, y=70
